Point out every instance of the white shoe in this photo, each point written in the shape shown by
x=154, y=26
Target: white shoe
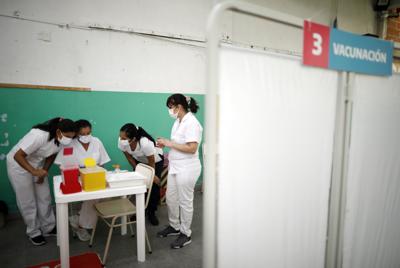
x=83, y=234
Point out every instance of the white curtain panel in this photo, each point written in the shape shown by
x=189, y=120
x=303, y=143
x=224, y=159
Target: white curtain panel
x=372, y=219
x=276, y=127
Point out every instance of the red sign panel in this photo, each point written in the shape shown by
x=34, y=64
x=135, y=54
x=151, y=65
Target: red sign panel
x=316, y=44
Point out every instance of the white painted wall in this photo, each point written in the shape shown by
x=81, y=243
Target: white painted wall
x=99, y=59
x=104, y=60
x=355, y=16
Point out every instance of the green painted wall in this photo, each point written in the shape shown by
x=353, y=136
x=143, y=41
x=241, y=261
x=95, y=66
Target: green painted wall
x=107, y=111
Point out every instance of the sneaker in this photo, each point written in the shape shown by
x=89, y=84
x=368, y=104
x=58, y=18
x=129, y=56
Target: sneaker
x=181, y=241
x=38, y=240
x=168, y=231
x=153, y=219
x=52, y=232
x=83, y=234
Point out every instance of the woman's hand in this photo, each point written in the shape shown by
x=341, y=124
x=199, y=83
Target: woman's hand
x=156, y=180
x=40, y=180
x=40, y=173
x=162, y=142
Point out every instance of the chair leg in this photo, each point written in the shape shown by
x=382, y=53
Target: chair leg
x=148, y=243
x=93, y=231
x=108, y=240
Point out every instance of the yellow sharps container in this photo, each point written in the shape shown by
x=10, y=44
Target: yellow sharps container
x=93, y=177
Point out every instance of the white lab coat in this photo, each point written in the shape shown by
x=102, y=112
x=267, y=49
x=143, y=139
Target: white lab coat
x=96, y=150
x=184, y=170
x=33, y=200
x=145, y=148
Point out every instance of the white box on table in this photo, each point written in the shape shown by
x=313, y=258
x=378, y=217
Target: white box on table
x=125, y=179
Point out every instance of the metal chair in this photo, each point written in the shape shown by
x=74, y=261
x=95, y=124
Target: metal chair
x=110, y=211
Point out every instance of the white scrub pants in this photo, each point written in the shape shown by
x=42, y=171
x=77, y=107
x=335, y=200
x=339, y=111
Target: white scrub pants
x=33, y=201
x=180, y=192
x=87, y=214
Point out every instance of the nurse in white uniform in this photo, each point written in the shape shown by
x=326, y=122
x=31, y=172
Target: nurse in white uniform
x=85, y=145
x=28, y=163
x=184, y=167
x=139, y=147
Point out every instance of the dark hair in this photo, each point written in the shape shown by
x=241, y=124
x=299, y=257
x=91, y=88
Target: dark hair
x=133, y=132
x=188, y=103
x=51, y=126
x=82, y=123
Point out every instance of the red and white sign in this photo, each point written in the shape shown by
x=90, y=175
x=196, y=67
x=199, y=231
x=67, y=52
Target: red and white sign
x=316, y=44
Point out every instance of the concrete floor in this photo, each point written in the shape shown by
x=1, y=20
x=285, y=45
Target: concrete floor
x=17, y=251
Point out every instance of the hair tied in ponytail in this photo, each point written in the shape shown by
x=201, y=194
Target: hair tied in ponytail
x=188, y=103
x=61, y=119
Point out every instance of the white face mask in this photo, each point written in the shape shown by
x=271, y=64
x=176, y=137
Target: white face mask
x=64, y=140
x=85, y=138
x=172, y=114
x=122, y=144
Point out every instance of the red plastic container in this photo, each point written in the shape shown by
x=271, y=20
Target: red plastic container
x=70, y=182
x=69, y=172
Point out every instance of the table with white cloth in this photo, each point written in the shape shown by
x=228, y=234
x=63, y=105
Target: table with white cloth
x=62, y=201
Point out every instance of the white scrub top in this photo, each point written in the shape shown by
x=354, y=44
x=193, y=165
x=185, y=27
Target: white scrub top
x=95, y=150
x=37, y=147
x=145, y=148
x=188, y=130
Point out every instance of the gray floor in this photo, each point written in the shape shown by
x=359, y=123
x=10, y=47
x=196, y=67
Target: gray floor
x=17, y=251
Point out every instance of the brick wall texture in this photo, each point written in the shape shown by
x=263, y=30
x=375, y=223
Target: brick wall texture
x=393, y=26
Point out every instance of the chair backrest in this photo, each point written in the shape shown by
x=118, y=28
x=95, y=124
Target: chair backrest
x=148, y=172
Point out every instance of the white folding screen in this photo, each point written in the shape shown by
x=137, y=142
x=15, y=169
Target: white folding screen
x=372, y=219
x=276, y=125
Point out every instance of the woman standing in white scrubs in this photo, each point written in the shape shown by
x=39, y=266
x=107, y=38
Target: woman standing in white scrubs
x=84, y=146
x=139, y=147
x=184, y=167
x=28, y=163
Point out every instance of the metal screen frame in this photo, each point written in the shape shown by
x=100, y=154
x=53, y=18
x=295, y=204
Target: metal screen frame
x=341, y=138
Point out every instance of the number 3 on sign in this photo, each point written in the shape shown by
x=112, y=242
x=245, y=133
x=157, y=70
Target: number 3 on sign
x=317, y=43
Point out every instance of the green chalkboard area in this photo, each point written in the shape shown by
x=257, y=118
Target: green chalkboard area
x=20, y=109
